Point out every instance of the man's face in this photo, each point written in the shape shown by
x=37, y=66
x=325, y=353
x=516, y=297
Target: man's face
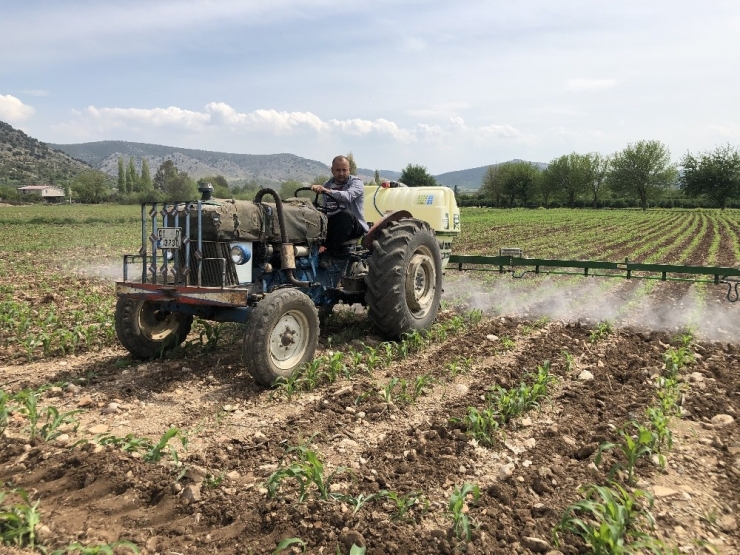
x=340, y=171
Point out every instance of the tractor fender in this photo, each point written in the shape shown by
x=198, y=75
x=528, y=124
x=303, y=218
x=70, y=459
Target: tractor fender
x=385, y=221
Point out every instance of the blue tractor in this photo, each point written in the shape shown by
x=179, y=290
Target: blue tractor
x=258, y=263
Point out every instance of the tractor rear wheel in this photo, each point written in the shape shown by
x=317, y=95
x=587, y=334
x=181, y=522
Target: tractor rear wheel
x=404, y=282
x=281, y=335
x=146, y=330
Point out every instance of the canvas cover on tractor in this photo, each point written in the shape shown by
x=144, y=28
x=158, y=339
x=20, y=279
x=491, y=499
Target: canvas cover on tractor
x=245, y=220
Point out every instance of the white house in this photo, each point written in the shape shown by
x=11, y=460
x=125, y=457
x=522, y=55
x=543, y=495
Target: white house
x=47, y=192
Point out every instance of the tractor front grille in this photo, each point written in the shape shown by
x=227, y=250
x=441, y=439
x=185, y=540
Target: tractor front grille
x=216, y=267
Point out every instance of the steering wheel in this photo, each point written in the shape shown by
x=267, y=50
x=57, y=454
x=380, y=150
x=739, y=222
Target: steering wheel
x=320, y=207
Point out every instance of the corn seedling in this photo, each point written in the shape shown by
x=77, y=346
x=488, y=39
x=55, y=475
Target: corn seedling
x=356, y=357
x=289, y=542
x=387, y=392
x=482, y=425
x=287, y=386
x=212, y=481
x=569, y=361
x=209, y=335
x=603, y=329
x=610, y=521
x=336, y=367
x=372, y=359
x=4, y=411
x=507, y=343
x=18, y=520
x=387, y=352
x=402, y=504
x=154, y=454
x=631, y=448
x=50, y=429
x=415, y=340
x=420, y=384
x=659, y=424
x=307, y=472
x=458, y=510
x=77, y=548
x=356, y=502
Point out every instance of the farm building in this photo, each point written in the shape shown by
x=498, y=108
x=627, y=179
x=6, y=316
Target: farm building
x=47, y=192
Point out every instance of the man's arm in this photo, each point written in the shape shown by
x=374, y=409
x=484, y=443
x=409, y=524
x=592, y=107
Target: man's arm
x=346, y=197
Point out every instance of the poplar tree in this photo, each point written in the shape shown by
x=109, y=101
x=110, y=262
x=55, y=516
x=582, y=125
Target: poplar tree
x=146, y=177
x=121, y=176
x=132, y=185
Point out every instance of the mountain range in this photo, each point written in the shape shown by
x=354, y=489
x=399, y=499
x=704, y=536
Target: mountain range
x=25, y=160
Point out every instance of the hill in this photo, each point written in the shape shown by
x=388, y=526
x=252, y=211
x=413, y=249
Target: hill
x=27, y=161
x=265, y=169
x=471, y=179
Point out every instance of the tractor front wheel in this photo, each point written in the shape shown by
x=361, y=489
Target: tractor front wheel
x=146, y=330
x=282, y=333
x=404, y=282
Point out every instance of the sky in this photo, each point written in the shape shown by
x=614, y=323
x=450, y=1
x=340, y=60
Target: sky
x=448, y=85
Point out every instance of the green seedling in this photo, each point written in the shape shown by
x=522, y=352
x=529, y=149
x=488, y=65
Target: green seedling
x=372, y=359
x=388, y=352
x=659, y=423
x=420, y=384
x=387, y=392
x=569, y=361
x=18, y=520
x=603, y=329
x=610, y=521
x=631, y=448
x=289, y=542
x=507, y=343
x=307, y=472
x=213, y=481
x=287, y=386
x=154, y=454
x=336, y=367
x=462, y=524
x=404, y=503
x=356, y=502
x=209, y=335
x=77, y=548
x=4, y=411
x=54, y=420
x=482, y=425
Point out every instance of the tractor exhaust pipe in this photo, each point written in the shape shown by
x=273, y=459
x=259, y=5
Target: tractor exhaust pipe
x=287, y=253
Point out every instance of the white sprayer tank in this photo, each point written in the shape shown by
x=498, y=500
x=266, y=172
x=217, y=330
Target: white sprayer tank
x=434, y=205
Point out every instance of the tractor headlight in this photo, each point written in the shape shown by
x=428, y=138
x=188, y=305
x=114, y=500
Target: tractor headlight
x=240, y=254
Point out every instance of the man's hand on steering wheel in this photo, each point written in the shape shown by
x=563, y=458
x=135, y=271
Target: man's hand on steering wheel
x=321, y=190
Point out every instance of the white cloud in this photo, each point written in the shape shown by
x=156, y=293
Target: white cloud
x=726, y=131
x=154, y=117
x=589, y=84
x=13, y=110
x=275, y=121
x=502, y=131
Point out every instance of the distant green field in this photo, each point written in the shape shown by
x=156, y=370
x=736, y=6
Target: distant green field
x=54, y=299
x=702, y=237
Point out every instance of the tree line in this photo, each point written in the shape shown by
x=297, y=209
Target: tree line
x=641, y=175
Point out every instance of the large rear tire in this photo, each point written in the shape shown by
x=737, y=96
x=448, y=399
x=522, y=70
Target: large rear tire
x=146, y=330
x=404, y=282
x=282, y=333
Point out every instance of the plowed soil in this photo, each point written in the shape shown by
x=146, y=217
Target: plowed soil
x=215, y=499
